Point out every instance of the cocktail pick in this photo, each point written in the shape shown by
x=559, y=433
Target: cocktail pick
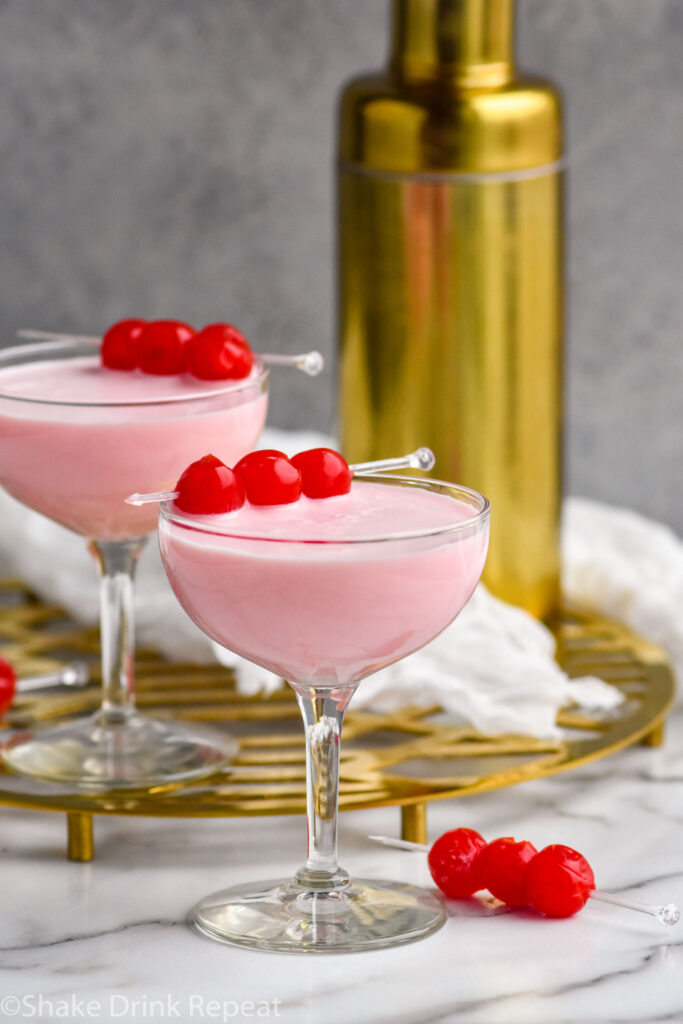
x=667, y=913
x=74, y=674
x=421, y=458
x=310, y=363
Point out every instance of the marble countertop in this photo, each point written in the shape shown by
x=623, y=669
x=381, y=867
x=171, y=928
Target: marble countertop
x=108, y=940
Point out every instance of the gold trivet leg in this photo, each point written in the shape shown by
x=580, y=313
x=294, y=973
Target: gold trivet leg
x=80, y=844
x=654, y=738
x=414, y=823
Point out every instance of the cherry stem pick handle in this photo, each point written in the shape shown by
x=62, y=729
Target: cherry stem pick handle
x=310, y=363
x=74, y=674
x=149, y=499
x=423, y=458
x=56, y=336
x=667, y=913
x=400, y=844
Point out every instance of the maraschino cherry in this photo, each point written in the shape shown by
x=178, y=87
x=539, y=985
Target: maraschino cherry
x=162, y=347
x=8, y=685
x=269, y=478
x=454, y=862
x=324, y=473
x=209, y=487
x=119, y=349
x=558, y=880
x=502, y=866
x=218, y=352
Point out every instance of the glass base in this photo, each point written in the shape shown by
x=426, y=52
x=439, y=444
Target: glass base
x=133, y=752
x=287, y=917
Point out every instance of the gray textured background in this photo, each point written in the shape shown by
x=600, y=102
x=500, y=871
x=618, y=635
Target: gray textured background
x=173, y=158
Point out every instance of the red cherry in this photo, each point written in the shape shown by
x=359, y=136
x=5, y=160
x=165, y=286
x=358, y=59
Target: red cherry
x=324, y=472
x=503, y=869
x=119, y=349
x=559, y=881
x=454, y=862
x=208, y=487
x=269, y=478
x=162, y=347
x=219, y=351
x=8, y=685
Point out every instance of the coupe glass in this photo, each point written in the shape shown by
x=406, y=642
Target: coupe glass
x=324, y=614
x=75, y=462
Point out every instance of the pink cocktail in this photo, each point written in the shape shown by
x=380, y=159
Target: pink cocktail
x=315, y=609
x=325, y=592
x=75, y=439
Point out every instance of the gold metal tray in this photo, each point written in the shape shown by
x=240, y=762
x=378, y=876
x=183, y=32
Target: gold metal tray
x=405, y=758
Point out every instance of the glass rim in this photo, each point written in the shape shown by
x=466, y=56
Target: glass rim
x=425, y=483
x=257, y=378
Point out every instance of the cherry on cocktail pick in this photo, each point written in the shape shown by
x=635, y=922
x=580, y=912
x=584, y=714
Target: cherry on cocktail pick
x=569, y=871
x=310, y=363
x=219, y=352
x=422, y=458
x=119, y=349
x=454, y=862
x=209, y=487
x=502, y=867
x=269, y=478
x=558, y=881
x=162, y=347
x=324, y=472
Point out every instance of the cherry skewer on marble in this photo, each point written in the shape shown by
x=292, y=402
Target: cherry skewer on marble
x=311, y=363
x=667, y=914
x=421, y=458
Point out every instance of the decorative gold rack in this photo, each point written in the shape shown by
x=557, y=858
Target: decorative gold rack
x=405, y=758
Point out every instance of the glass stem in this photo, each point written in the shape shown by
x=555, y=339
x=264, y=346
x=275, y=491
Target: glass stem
x=323, y=713
x=117, y=561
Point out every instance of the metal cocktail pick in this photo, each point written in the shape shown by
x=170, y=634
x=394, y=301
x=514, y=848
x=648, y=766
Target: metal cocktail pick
x=311, y=363
x=667, y=913
x=421, y=458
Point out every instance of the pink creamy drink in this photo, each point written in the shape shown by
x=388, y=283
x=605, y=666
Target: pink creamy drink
x=327, y=591
x=76, y=438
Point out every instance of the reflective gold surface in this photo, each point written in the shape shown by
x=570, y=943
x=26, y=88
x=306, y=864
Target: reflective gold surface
x=406, y=758
x=470, y=41
x=450, y=276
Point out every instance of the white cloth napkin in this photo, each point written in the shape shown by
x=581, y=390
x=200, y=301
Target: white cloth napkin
x=493, y=667
x=619, y=563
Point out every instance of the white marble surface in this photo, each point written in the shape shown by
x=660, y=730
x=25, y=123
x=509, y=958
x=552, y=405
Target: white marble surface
x=114, y=931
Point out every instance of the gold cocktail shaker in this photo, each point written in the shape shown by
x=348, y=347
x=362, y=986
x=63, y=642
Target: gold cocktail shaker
x=450, y=275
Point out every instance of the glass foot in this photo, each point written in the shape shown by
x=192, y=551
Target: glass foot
x=134, y=752
x=286, y=917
